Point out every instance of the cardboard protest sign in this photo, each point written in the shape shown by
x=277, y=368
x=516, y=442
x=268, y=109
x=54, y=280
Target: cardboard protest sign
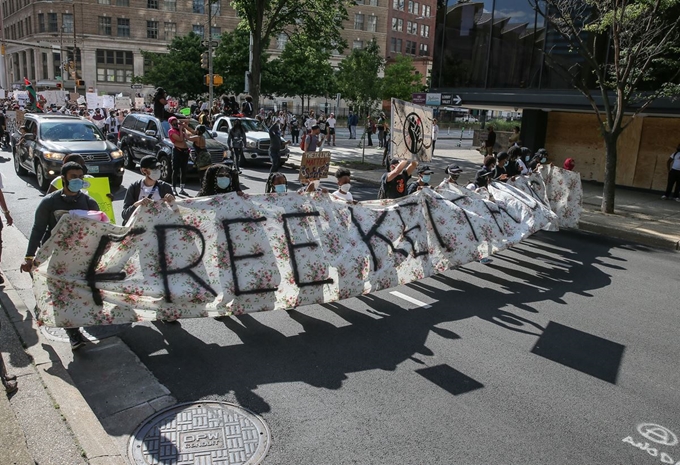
x=314, y=166
x=411, y=131
x=123, y=103
x=228, y=254
x=139, y=102
x=107, y=101
x=100, y=191
x=93, y=100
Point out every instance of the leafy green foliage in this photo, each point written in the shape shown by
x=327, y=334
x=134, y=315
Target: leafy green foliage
x=401, y=80
x=357, y=77
x=179, y=71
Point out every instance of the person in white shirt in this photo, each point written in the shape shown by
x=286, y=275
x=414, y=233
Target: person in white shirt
x=673, y=165
x=331, y=128
x=435, y=133
x=310, y=122
x=344, y=177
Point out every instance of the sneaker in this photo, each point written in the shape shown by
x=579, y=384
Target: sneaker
x=77, y=341
x=664, y=197
x=485, y=261
x=184, y=193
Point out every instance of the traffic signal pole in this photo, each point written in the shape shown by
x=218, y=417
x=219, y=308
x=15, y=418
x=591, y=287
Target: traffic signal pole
x=210, y=58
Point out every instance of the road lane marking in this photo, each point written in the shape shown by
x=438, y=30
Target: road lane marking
x=410, y=299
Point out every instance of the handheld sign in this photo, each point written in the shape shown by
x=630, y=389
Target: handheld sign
x=100, y=191
x=314, y=166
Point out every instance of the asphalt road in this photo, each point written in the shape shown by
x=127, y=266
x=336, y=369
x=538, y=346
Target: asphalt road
x=555, y=353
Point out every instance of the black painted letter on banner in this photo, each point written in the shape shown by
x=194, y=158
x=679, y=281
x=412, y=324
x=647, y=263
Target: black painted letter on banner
x=93, y=277
x=405, y=232
x=161, y=232
x=293, y=247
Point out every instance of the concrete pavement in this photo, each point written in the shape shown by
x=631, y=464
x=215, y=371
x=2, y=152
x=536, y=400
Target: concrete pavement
x=640, y=216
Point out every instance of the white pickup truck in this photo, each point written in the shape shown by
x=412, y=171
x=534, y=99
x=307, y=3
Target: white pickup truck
x=257, y=138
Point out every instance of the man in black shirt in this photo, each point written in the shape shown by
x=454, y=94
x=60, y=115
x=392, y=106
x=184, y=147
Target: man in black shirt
x=395, y=181
x=275, y=145
x=500, y=173
x=159, y=102
x=247, y=107
x=490, y=141
x=48, y=214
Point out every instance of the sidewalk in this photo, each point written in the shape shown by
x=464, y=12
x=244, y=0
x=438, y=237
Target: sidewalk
x=640, y=216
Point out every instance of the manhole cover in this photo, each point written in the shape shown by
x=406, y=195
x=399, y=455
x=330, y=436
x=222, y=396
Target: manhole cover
x=206, y=433
x=92, y=333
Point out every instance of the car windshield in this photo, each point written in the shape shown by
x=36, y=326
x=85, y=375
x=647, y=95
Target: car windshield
x=60, y=131
x=249, y=125
x=192, y=124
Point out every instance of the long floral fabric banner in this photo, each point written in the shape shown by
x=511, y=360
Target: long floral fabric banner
x=232, y=255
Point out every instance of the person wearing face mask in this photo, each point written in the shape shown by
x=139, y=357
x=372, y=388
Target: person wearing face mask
x=277, y=183
x=424, y=176
x=454, y=172
x=220, y=178
x=48, y=213
x=344, y=177
x=56, y=183
x=148, y=190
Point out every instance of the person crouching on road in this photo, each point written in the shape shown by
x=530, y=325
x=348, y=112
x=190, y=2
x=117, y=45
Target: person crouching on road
x=424, y=175
x=46, y=218
x=220, y=178
x=344, y=177
x=277, y=183
x=148, y=190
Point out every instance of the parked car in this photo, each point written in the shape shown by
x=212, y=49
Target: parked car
x=142, y=134
x=257, y=138
x=49, y=138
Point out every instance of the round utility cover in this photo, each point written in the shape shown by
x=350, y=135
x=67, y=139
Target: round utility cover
x=201, y=433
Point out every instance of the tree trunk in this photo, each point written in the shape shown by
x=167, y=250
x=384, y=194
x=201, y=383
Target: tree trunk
x=609, y=173
x=302, y=111
x=255, y=73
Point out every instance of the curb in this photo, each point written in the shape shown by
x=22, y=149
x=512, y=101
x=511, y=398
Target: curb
x=651, y=240
x=89, y=433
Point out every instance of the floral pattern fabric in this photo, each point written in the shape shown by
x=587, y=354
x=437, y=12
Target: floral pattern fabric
x=231, y=255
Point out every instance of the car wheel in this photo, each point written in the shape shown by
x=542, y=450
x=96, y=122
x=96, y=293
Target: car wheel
x=115, y=182
x=166, y=168
x=129, y=158
x=43, y=182
x=20, y=170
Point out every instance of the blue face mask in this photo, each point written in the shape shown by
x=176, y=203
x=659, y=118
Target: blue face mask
x=280, y=188
x=223, y=182
x=426, y=178
x=74, y=185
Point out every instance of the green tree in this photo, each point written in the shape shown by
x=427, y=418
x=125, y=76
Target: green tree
x=267, y=18
x=617, y=47
x=401, y=80
x=179, y=71
x=357, y=77
x=303, y=69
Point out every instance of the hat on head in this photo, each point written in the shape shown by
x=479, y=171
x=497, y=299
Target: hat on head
x=569, y=164
x=425, y=170
x=453, y=169
x=395, y=161
x=171, y=120
x=148, y=162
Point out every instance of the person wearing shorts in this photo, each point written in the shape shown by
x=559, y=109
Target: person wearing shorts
x=331, y=121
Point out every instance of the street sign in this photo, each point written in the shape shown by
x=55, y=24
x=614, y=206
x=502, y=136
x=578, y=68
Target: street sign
x=457, y=100
x=433, y=99
x=212, y=43
x=137, y=86
x=419, y=98
x=447, y=98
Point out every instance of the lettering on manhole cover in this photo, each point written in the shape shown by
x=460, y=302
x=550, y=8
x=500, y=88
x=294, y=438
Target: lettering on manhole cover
x=206, y=433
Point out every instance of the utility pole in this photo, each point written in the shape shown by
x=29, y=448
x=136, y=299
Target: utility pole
x=210, y=57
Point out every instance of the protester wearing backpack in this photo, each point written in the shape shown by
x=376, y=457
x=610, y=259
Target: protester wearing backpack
x=393, y=184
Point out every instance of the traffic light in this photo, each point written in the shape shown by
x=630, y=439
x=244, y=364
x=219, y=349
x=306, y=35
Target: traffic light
x=58, y=85
x=80, y=83
x=204, y=60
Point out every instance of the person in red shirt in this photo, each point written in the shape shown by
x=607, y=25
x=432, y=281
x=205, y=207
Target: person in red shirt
x=180, y=153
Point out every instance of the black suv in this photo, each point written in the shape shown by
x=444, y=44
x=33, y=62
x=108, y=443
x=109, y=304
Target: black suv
x=143, y=134
x=49, y=138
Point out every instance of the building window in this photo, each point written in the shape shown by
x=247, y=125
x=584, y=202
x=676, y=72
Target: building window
x=52, y=25
x=410, y=48
x=398, y=5
x=114, y=66
x=41, y=22
x=152, y=29
x=46, y=71
x=358, y=44
x=416, y=8
x=400, y=25
x=424, y=50
x=199, y=6
x=104, y=26
x=170, y=5
x=122, y=2
x=371, y=2
x=410, y=6
x=29, y=25
x=67, y=22
x=409, y=27
x=281, y=41
x=169, y=31
x=199, y=30
x=426, y=11
x=215, y=32
x=104, y=2
x=425, y=30
x=359, y=22
x=123, y=27
x=372, y=23
x=395, y=45
x=152, y=4
x=216, y=8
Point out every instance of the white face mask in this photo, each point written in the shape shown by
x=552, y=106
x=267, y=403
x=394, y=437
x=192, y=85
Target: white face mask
x=345, y=188
x=155, y=174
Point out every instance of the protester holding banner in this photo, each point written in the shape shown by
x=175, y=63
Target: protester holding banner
x=220, y=178
x=46, y=217
x=394, y=182
x=424, y=175
x=276, y=183
x=147, y=190
x=344, y=177
x=454, y=172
